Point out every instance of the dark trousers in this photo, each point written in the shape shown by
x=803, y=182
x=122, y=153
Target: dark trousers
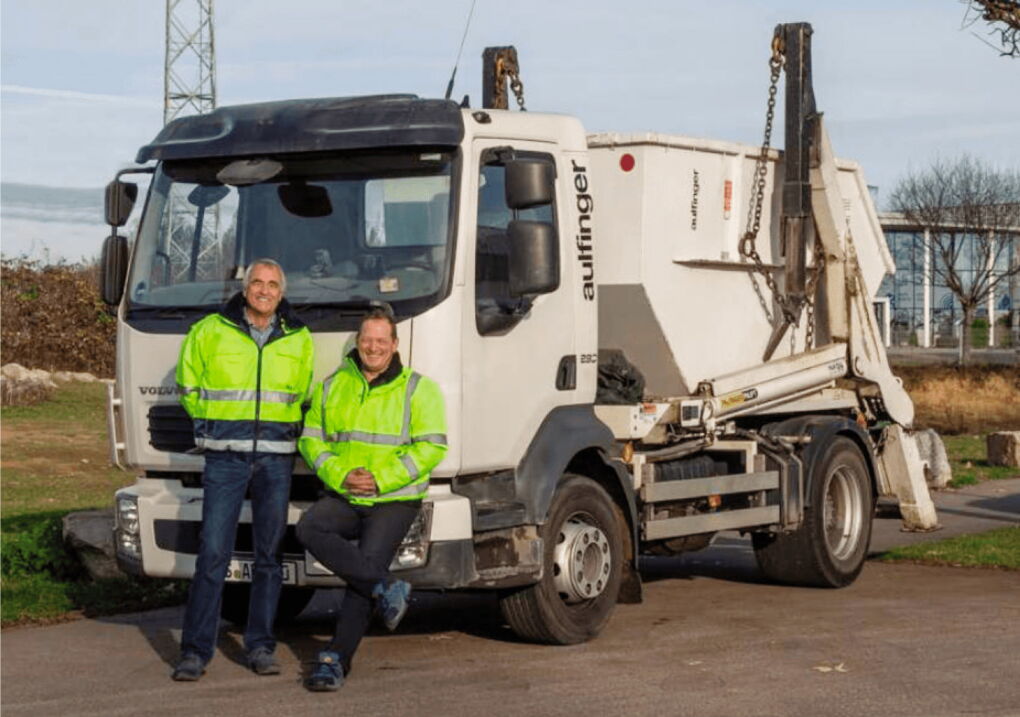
x=327, y=530
x=226, y=478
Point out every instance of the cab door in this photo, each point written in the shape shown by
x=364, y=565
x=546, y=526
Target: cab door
x=519, y=358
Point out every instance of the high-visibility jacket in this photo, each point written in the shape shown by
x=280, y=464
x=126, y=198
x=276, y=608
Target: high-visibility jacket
x=240, y=397
x=396, y=429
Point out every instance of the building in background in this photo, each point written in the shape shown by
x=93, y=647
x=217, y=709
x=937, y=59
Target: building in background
x=920, y=310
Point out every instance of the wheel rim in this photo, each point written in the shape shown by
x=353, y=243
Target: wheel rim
x=843, y=513
x=582, y=561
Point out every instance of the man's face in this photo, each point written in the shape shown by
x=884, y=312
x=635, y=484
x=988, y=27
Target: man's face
x=265, y=290
x=376, y=345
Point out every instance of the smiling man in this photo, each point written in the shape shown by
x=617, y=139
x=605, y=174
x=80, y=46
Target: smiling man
x=373, y=434
x=243, y=374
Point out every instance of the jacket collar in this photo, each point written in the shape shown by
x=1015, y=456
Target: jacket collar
x=233, y=311
x=391, y=373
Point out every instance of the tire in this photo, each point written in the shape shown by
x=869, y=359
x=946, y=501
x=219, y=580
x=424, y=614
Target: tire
x=583, y=565
x=829, y=548
x=234, y=607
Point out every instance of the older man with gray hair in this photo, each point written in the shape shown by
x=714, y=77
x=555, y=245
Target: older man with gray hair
x=243, y=375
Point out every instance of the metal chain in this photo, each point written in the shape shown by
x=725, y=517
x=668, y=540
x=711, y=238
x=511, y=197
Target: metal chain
x=809, y=294
x=747, y=247
x=761, y=297
x=517, y=87
x=855, y=285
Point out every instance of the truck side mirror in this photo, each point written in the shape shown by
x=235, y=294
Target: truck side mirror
x=120, y=200
x=534, y=258
x=529, y=182
x=113, y=269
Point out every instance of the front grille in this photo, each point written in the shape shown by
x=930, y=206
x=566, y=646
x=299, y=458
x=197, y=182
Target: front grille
x=182, y=536
x=303, y=486
x=170, y=428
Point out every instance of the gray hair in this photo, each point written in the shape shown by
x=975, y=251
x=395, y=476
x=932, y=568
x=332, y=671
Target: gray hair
x=264, y=262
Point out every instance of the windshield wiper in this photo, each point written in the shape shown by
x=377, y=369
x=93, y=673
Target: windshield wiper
x=169, y=312
x=351, y=307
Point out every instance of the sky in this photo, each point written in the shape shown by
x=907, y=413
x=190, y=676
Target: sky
x=901, y=83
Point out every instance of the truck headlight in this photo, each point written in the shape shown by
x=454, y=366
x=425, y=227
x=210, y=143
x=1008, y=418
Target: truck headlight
x=127, y=514
x=414, y=548
x=126, y=534
x=129, y=545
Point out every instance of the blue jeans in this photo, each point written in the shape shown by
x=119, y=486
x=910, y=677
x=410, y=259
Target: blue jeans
x=226, y=479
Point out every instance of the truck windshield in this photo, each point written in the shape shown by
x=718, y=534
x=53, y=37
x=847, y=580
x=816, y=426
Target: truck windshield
x=348, y=230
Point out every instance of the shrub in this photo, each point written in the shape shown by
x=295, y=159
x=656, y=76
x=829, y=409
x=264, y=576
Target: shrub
x=54, y=319
x=35, y=544
x=954, y=401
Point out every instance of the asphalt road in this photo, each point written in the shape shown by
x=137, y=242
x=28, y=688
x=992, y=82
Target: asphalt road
x=711, y=638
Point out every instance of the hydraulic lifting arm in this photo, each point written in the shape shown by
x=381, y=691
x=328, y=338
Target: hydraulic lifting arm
x=499, y=64
x=813, y=210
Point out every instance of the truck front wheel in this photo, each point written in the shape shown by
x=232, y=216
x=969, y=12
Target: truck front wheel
x=583, y=561
x=829, y=548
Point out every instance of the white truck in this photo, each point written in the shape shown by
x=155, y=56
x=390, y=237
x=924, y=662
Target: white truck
x=627, y=370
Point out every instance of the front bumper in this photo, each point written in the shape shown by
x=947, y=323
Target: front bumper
x=166, y=541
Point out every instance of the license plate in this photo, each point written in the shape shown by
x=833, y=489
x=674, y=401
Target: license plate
x=240, y=571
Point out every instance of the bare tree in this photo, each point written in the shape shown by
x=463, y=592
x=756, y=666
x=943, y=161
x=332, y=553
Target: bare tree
x=970, y=210
x=1002, y=18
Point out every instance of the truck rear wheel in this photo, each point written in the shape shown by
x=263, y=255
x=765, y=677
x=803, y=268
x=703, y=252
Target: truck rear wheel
x=583, y=564
x=829, y=548
x=234, y=607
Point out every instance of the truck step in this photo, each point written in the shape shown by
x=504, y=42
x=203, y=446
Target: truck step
x=495, y=514
x=701, y=487
x=710, y=522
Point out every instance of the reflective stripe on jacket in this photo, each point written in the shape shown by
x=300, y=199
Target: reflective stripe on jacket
x=396, y=430
x=242, y=398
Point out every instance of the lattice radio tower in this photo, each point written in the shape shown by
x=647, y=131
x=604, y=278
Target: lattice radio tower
x=189, y=87
x=189, y=80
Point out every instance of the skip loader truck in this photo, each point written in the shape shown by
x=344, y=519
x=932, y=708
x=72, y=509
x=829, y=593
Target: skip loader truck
x=642, y=339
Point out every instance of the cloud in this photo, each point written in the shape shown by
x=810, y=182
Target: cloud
x=71, y=139
x=77, y=96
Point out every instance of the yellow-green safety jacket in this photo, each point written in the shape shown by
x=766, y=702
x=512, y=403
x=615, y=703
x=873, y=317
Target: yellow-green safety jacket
x=395, y=428
x=240, y=397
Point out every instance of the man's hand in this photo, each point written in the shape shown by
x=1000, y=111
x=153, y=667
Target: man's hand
x=360, y=481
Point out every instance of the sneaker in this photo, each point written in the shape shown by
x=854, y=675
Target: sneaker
x=189, y=669
x=327, y=675
x=392, y=597
x=262, y=661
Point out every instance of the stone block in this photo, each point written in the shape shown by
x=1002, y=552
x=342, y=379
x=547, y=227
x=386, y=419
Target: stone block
x=937, y=471
x=1004, y=448
x=90, y=535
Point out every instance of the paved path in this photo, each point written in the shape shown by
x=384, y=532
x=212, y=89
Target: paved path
x=914, y=356
x=711, y=638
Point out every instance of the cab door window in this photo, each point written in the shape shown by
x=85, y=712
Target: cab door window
x=496, y=309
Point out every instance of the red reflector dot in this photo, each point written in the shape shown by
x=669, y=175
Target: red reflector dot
x=627, y=162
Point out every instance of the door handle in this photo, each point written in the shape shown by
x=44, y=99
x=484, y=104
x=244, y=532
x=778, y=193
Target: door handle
x=566, y=373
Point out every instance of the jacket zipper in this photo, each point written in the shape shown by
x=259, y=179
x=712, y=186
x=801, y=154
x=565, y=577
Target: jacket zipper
x=258, y=379
x=258, y=397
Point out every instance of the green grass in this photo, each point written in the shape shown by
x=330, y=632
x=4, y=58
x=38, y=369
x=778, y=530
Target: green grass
x=28, y=599
x=32, y=598
x=996, y=548
x=967, y=456
x=54, y=461
x=56, y=456
x=73, y=403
